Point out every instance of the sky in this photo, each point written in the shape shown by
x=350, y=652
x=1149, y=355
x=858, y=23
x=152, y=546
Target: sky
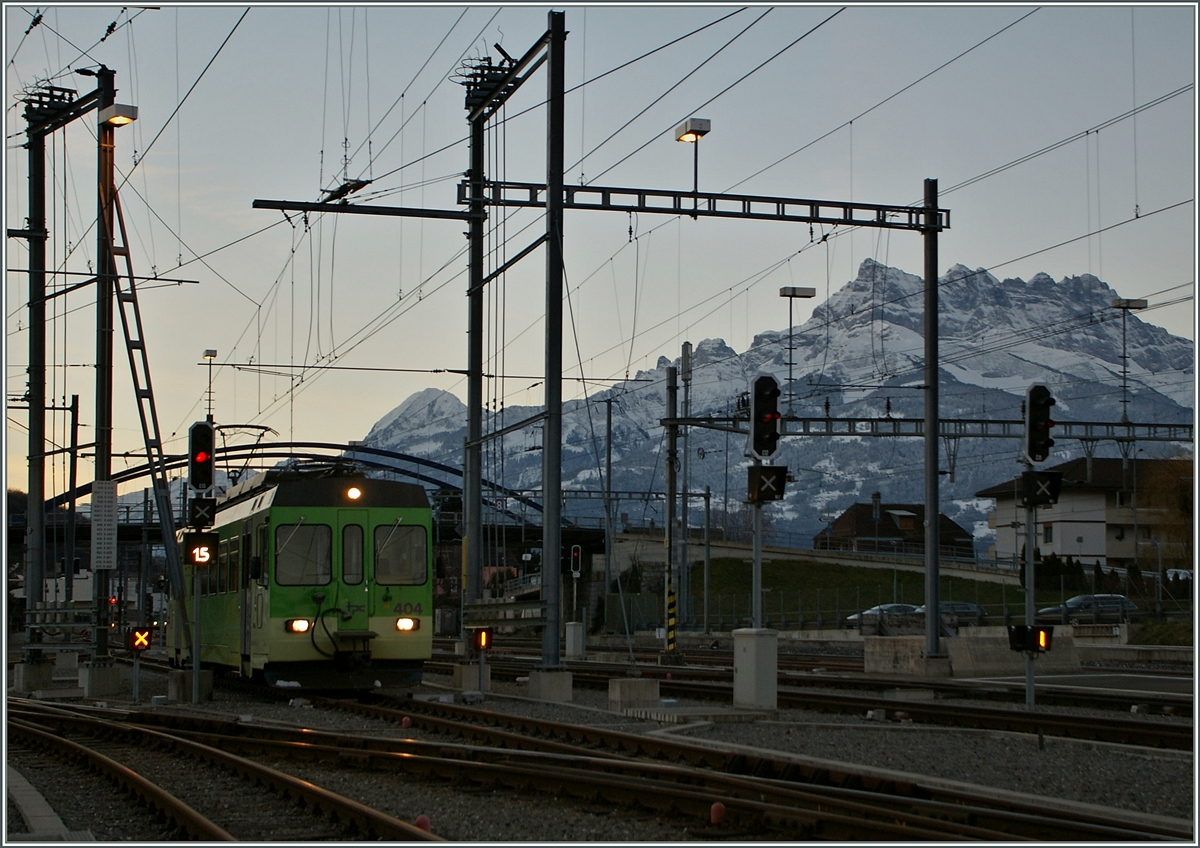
x=1062, y=138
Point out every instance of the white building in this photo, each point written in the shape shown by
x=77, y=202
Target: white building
x=1108, y=510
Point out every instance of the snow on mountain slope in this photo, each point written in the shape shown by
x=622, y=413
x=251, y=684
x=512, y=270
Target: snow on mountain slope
x=861, y=355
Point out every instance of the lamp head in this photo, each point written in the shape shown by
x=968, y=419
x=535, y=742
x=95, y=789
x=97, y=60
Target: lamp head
x=692, y=129
x=118, y=114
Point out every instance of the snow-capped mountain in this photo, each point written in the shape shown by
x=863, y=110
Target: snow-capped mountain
x=859, y=355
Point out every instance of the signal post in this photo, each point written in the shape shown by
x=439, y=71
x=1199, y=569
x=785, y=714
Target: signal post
x=1039, y=487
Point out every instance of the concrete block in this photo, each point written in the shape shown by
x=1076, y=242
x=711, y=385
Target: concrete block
x=547, y=685
x=574, y=640
x=67, y=662
x=990, y=656
x=31, y=676
x=179, y=685
x=466, y=678
x=756, y=669
x=100, y=681
x=632, y=693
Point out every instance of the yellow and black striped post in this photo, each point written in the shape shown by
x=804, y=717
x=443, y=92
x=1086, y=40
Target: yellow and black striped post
x=670, y=622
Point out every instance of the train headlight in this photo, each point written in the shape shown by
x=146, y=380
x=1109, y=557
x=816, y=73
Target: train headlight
x=354, y=493
x=297, y=625
x=406, y=625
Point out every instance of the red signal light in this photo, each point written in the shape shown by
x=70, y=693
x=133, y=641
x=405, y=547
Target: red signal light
x=202, y=456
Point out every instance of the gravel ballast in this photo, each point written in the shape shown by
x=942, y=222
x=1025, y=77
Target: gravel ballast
x=1155, y=782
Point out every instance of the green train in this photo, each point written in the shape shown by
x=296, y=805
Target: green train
x=322, y=580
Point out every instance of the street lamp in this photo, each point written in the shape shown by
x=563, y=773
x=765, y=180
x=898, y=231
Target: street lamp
x=791, y=293
x=691, y=131
x=118, y=114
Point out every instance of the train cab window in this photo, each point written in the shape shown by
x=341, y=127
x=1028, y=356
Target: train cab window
x=352, y=554
x=303, y=555
x=400, y=557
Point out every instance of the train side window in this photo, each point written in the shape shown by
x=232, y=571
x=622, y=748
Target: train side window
x=400, y=555
x=217, y=583
x=263, y=547
x=234, y=563
x=352, y=554
x=303, y=555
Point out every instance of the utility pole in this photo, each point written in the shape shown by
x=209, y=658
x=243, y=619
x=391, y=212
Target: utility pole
x=669, y=578
x=932, y=510
x=552, y=435
x=106, y=268
x=682, y=605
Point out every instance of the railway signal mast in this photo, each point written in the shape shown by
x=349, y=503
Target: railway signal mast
x=1040, y=487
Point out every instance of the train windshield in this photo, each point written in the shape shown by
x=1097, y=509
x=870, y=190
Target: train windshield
x=302, y=555
x=400, y=555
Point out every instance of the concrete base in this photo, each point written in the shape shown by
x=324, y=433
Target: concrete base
x=466, y=678
x=179, y=685
x=31, y=676
x=756, y=669
x=545, y=685
x=991, y=656
x=99, y=681
x=574, y=640
x=66, y=663
x=904, y=655
x=626, y=693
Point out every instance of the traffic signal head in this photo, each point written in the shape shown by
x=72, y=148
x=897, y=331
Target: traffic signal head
x=201, y=461
x=576, y=560
x=1038, y=423
x=481, y=638
x=764, y=416
x=1035, y=639
x=139, y=639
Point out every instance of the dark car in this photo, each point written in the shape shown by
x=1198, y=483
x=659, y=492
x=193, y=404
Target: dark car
x=1089, y=608
x=966, y=612
x=882, y=609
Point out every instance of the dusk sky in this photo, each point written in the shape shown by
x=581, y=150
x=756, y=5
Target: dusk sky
x=1063, y=139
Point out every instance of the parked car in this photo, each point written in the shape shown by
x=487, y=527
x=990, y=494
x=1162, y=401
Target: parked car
x=1089, y=608
x=967, y=612
x=882, y=609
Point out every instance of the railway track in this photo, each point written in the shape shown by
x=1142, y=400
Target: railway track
x=758, y=796
x=802, y=693
x=219, y=796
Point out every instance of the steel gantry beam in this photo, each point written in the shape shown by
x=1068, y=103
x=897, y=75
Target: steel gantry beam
x=711, y=205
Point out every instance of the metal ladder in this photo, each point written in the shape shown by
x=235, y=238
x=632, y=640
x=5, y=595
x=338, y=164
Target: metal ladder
x=139, y=369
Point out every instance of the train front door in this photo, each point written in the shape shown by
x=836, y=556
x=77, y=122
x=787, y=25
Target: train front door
x=355, y=601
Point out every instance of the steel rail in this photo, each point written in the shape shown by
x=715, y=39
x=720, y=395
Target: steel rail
x=175, y=810
x=795, y=769
x=366, y=819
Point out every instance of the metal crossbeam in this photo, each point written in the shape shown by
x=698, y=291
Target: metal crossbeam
x=712, y=205
x=951, y=428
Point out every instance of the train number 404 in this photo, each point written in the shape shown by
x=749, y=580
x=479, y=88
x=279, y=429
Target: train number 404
x=408, y=609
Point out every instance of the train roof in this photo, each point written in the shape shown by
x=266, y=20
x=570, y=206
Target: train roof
x=327, y=485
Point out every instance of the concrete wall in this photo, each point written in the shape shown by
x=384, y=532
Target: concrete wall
x=980, y=656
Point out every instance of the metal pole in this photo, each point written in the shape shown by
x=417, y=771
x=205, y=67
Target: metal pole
x=684, y=607
x=35, y=512
x=1030, y=541
x=72, y=473
x=707, y=551
x=608, y=506
x=196, y=634
x=756, y=576
x=472, y=465
x=105, y=272
x=552, y=447
x=672, y=460
x=932, y=512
